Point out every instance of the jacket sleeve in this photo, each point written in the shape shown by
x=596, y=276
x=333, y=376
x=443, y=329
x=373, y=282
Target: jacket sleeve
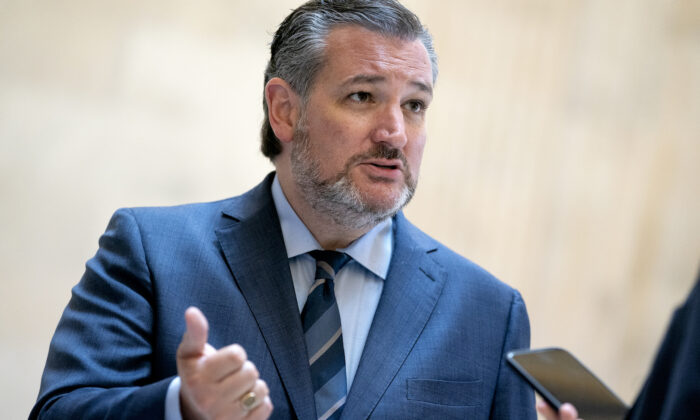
x=99, y=361
x=514, y=398
x=671, y=391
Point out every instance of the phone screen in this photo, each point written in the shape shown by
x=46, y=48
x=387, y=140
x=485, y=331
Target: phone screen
x=559, y=377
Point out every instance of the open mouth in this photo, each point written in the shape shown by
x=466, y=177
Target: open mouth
x=384, y=166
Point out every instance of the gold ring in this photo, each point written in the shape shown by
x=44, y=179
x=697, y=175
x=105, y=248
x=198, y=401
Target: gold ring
x=249, y=401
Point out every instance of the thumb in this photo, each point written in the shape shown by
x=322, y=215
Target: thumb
x=195, y=337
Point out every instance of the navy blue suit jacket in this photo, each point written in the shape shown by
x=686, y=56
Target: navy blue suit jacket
x=435, y=349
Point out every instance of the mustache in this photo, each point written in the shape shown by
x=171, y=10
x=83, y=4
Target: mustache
x=381, y=151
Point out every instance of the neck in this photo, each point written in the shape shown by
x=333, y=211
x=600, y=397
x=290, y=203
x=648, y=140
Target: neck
x=329, y=234
x=332, y=237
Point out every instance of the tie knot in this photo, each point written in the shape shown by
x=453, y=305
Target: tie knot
x=333, y=259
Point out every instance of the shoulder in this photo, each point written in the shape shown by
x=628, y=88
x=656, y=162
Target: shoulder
x=461, y=272
x=197, y=216
x=190, y=213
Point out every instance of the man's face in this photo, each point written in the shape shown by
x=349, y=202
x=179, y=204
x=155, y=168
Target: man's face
x=359, y=143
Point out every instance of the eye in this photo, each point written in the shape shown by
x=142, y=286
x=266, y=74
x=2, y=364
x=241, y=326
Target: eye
x=415, y=106
x=360, y=97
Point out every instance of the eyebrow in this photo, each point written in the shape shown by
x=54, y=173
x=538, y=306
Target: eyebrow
x=372, y=79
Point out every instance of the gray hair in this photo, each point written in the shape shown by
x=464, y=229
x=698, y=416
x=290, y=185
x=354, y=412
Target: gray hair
x=297, y=49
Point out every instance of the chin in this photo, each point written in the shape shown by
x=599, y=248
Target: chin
x=384, y=202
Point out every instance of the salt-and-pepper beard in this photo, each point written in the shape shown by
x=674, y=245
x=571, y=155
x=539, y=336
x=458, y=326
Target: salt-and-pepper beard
x=338, y=197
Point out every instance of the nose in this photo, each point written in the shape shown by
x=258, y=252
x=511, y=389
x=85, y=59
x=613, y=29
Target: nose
x=390, y=127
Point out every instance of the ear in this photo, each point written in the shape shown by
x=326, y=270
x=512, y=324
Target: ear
x=282, y=108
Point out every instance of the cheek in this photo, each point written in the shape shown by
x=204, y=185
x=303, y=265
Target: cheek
x=326, y=139
x=414, y=152
x=341, y=142
x=335, y=129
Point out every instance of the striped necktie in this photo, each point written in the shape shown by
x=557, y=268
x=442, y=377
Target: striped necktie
x=324, y=340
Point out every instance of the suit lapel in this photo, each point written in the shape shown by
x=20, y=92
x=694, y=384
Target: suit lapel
x=254, y=249
x=410, y=293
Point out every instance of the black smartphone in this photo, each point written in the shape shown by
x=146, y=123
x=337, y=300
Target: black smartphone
x=559, y=377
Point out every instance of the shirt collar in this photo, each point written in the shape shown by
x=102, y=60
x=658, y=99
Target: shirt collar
x=372, y=250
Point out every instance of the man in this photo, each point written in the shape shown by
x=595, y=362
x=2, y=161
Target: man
x=413, y=330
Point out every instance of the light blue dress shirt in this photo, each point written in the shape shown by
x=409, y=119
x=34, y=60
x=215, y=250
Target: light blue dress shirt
x=358, y=286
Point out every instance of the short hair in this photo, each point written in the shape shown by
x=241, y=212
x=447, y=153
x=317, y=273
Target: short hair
x=298, y=46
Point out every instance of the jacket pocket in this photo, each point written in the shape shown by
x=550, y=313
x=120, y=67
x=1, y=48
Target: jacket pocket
x=444, y=392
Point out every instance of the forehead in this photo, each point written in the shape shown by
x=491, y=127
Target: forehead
x=353, y=50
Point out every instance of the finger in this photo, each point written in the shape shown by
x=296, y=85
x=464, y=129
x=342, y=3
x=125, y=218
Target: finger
x=568, y=412
x=547, y=411
x=261, y=392
x=195, y=338
x=238, y=384
x=262, y=411
x=238, y=403
x=224, y=362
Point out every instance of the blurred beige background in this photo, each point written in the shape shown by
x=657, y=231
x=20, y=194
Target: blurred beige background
x=563, y=152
